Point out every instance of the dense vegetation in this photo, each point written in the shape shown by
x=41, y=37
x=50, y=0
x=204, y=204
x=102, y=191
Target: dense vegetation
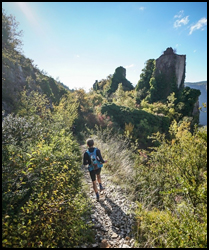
x=43, y=204
x=155, y=140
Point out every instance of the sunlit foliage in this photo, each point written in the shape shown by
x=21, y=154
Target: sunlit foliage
x=172, y=186
x=43, y=204
x=144, y=123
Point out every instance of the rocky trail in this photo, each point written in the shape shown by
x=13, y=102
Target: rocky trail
x=112, y=216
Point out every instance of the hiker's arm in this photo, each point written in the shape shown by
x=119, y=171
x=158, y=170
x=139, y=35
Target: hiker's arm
x=100, y=157
x=86, y=160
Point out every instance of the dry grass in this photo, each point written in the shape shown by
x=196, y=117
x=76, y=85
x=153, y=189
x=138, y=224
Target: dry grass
x=120, y=159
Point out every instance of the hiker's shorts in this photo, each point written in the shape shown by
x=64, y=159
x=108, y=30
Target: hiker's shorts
x=94, y=172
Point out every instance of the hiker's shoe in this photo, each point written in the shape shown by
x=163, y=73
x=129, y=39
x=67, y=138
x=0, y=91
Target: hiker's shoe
x=102, y=188
x=97, y=198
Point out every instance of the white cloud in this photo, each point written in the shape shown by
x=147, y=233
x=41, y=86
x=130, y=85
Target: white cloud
x=129, y=66
x=179, y=15
x=199, y=25
x=142, y=8
x=179, y=22
x=180, y=19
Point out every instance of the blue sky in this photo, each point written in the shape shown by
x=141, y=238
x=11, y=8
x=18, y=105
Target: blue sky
x=80, y=42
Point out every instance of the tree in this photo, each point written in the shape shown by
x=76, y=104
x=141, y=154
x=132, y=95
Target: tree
x=33, y=104
x=10, y=35
x=146, y=75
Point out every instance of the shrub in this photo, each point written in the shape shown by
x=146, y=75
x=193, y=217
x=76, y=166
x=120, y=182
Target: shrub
x=172, y=187
x=163, y=229
x=43, y=204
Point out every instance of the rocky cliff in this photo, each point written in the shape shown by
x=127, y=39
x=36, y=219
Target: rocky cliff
x=111, y=84
x=14, y=81
x=172, y=66
x=170, y=75
x=21, y=74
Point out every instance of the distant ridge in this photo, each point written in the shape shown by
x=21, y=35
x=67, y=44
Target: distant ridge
x=196, y=83
x=202, y=86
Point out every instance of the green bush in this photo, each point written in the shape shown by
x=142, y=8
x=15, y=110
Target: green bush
x=144, y=123
x=172, y=186
x=43, y=204
x=42, y=199
x=164, y=229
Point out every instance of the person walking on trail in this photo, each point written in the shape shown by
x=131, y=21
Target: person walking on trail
x=92, y=157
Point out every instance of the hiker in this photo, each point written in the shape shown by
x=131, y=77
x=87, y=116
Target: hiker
x=92, y=157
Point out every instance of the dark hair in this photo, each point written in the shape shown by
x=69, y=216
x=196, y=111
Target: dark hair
x=90, y=142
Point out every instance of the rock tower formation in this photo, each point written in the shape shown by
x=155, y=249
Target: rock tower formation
x=170, y=64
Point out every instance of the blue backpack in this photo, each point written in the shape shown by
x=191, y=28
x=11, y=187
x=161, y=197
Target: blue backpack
x=95, y=164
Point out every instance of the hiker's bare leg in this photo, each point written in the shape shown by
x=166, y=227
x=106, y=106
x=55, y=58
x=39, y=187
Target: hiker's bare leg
x=98, y=178
x=95, y=186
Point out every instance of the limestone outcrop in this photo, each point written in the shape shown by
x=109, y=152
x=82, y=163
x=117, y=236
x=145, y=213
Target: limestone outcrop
x=22, y=74
x=171, y=68
x=111, y=84
x=171, y=65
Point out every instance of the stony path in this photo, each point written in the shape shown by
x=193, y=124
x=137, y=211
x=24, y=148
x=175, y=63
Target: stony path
x=112, y=216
